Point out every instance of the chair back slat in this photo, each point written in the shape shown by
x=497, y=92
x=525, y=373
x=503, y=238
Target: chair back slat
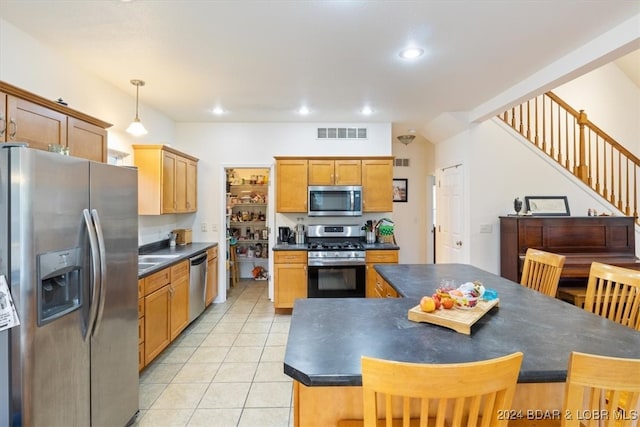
x=614, y=293
x=541, y=271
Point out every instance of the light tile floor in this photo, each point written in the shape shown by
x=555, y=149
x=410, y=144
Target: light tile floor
x=225, y=369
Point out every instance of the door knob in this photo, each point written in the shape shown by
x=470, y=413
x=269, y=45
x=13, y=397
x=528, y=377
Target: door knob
x=459, y=243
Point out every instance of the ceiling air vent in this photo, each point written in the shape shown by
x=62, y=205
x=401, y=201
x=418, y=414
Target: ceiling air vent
x=401, y=162
x=342, y=133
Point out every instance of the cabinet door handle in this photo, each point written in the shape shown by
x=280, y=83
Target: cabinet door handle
x=15, y=128
x=3, y=127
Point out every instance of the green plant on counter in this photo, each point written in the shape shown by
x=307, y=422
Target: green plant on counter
x=385, y=230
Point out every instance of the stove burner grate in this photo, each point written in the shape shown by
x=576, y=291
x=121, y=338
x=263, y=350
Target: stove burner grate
x=335, y=246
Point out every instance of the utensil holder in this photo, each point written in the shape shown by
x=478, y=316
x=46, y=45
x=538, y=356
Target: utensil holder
x=371, y=237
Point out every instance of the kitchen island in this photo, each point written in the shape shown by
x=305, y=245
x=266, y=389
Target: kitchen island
x=328, y=336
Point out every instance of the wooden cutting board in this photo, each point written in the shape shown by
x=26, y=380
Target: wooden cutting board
x=457, y=319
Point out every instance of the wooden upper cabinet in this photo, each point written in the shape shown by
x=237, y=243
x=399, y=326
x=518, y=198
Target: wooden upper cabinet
x=192, y=186
x=34, y=124
x=3, y=117
x=86, y=140
x=168, y=183
x=167, y=180
x=26, y=117
x=291, y=185
x=377, y=185
x=335, y=172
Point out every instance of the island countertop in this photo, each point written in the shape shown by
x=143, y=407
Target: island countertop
x=327, y=337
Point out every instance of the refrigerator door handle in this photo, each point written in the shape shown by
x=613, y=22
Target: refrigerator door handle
x=103, y=269
x=95, y=263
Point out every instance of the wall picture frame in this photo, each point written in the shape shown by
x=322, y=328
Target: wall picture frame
x=547, y=205
x=400, y=190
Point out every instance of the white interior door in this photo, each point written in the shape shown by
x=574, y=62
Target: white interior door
x=449, y=215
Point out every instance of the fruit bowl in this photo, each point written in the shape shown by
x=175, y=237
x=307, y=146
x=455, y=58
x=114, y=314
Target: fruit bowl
x=465, y=302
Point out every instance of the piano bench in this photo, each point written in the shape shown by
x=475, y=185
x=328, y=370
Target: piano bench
x=574, y=295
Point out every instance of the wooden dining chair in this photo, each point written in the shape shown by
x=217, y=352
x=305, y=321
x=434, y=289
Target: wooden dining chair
x=614, y=292
x=596, y=384
x=416, y=394
x=541, y=271
x=599, y=391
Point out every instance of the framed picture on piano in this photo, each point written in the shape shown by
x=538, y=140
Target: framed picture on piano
x=547, y=205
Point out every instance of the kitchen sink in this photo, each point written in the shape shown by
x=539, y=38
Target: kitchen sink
x=145, y=265
x=155, y=259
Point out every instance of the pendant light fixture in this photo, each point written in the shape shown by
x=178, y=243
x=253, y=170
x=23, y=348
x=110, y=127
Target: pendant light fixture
x=406, y=139
x=136, y=128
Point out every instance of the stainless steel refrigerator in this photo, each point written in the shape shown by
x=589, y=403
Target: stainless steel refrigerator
x=68, y=249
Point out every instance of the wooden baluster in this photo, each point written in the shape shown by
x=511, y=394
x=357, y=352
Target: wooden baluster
x=635, y=192
x=619, y=180
x=605, y=191
x=520, y=129
x=529, y=120
x=627, y=208
x=544, y=126
x=597, y=166
x=566, y=138
x=552, y=154
x=611, y=167
x=513, y=117
x=559, y=126
x=590, y=157
x=537, y=123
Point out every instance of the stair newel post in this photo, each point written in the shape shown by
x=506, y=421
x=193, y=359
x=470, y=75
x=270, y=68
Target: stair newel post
x=581, y=170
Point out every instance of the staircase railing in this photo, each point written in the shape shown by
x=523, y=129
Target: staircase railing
x=585, y=150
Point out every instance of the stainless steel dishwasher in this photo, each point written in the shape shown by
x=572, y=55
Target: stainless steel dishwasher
x=197, y=284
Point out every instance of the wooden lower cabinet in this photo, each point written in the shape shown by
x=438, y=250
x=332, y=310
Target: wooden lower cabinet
x=157, y=327
x=140, y=324
x=374, y=288
x=212, y=276
x=382, y=288
x=290, y=278
x=179, y=293
x=163, y=310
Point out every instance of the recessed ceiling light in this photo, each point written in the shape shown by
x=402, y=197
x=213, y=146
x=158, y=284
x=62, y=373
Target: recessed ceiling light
x=367, y=111
x=303, y=111
x=411, y=53
x=218, y=111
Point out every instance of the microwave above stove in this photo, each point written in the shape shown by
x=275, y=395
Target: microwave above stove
x=335, y=200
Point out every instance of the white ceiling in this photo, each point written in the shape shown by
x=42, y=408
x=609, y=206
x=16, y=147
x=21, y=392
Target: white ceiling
x=261, y=60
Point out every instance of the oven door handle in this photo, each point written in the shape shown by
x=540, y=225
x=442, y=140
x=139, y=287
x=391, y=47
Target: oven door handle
x=335, y=262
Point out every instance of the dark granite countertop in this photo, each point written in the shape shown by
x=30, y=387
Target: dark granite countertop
x=182, y=252
x=327, y=337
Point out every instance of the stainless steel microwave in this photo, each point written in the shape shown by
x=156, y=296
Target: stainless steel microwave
x=335, y=200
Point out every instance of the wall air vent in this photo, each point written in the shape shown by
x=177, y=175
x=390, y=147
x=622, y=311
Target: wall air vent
x=342, y=133
x=401, y=162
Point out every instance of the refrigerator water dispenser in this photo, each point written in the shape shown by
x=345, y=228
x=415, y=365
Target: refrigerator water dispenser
x=59, y=287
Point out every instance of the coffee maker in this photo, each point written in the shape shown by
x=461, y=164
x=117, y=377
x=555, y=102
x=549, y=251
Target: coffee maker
x=284, y=234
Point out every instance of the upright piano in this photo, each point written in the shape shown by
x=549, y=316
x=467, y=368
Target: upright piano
x=606, y=239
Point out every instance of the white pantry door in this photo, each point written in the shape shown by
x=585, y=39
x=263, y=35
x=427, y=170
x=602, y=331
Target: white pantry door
x=449, y=215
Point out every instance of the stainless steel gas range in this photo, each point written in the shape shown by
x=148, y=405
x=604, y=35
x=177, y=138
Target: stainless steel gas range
x=336, y=261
